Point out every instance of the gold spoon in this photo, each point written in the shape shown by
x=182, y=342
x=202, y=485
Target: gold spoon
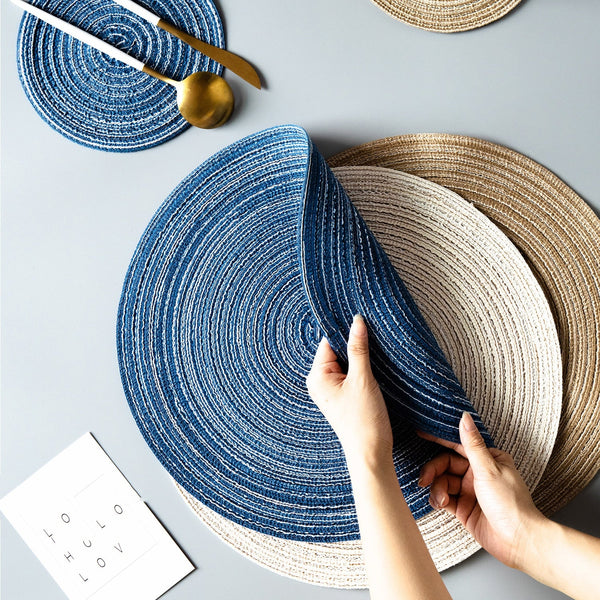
x=204, y=99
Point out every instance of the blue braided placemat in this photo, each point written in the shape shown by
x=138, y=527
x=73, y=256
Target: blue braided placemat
x=97, y=101
x=251, y=259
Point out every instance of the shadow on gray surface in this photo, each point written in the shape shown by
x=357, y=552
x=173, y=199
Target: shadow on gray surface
x=331, y=145
x=583, y=513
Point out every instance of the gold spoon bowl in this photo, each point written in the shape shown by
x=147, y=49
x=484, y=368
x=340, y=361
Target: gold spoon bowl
x=204, y=99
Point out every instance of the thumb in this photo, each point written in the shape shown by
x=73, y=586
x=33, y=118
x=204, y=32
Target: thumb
x=358, y=349
x=474, y=446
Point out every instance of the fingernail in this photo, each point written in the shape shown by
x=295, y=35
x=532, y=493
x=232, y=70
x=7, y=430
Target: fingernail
x=358, y=325
x=467, y=421
x=439, y=500
x=420, y=482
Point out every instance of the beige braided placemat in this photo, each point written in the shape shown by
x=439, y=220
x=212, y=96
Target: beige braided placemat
x=559, y=235
x=447, y=15
x=492, y=321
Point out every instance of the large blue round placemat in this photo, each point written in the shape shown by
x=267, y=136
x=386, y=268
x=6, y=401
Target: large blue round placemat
x=97, y=101
x=254, y=257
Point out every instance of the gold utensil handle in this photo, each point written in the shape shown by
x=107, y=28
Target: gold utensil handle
x=235, y=63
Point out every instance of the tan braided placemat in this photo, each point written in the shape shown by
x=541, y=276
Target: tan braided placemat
x=495, y=326
x=559, y=235
x=447, y=16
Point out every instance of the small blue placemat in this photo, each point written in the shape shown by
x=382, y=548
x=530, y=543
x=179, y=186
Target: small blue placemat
x=97, y=101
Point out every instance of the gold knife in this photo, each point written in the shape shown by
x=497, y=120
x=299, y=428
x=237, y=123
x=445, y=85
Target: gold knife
x=231, y=61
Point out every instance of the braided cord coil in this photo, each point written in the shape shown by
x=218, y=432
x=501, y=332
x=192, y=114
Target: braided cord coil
x=254, y=256
x=97, y=101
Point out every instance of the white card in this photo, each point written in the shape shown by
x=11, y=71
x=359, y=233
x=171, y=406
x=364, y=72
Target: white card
x=92, y=531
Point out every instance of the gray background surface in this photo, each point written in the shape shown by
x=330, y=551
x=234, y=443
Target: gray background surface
x=348, y=73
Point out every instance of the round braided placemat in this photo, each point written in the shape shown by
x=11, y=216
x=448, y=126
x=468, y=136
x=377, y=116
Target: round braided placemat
x=254, y=257
x=447, y=16
x=495, y=326
x=558, y=233
x=97, y=101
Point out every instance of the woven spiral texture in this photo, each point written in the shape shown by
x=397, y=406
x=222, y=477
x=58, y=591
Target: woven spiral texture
x=254, y=257
x=558, y=233
x=97, y=101
x=493, y=323
x=447, y=16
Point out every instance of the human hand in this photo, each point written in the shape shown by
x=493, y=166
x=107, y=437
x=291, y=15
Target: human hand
x=484, y=490
x=352, y=403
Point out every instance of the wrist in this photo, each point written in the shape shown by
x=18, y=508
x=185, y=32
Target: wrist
x=373, y=460
x=536, y=534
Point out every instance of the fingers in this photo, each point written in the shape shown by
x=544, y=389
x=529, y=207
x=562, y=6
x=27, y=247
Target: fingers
x=450, y=493
x=325, y=358
x=358, y=349
x=442, y=464
x=442, y=488
x=325, y=374
x=474, y=447
x=451, y=506
x=467, y=511
x=452, y=445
